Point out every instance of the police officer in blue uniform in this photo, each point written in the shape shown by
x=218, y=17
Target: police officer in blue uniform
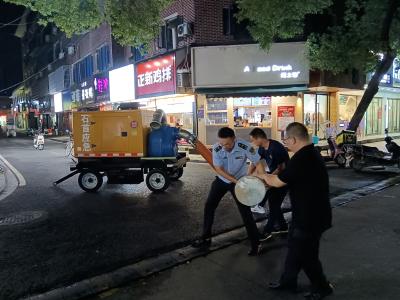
x=230, y=162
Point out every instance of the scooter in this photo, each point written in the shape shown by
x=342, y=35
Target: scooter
x=334, y=153
x=38, y=141
x=365, y=156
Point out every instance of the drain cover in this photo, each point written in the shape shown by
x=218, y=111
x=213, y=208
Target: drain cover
x=22, y=218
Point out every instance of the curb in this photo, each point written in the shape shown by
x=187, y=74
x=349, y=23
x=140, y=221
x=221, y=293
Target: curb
x=147, y=267
x=57, y=140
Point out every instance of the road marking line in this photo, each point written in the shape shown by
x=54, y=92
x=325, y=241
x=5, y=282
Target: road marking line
x=20, y=178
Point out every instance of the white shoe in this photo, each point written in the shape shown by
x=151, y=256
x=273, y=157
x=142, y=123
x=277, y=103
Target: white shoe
x=257, y=209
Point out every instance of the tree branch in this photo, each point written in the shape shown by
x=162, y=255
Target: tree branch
x=382, y=67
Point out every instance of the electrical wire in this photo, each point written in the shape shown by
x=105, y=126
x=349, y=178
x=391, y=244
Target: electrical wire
x=6, y=25
x=11, y=23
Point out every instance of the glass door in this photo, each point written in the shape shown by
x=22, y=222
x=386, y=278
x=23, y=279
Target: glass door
x=373, y=117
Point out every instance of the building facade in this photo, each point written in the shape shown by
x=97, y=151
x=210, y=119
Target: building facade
x=204, y=70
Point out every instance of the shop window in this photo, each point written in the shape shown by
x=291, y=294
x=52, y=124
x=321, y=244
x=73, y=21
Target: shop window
x=139, y=53
x=231, y=25
x=252, y=112
x=316, y=114
x=217, y=111
x=168, y=33
x=228, y=21
x=103, y=58
x=347, y=108
x=83, y=69
x=373, y=118
x=394, y=115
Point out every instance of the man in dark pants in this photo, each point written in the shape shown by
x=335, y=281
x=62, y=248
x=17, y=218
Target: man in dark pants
x=276, y=157
x=230, y=162
x=308, y=182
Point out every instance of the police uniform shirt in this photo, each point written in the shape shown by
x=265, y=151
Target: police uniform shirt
x=234, y=162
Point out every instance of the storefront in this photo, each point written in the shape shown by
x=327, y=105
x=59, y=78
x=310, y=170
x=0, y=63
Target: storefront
x=156, y=88
x=383, y=112
x=244, y=87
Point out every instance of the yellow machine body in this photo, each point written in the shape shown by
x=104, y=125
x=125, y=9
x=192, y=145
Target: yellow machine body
x=111, y=133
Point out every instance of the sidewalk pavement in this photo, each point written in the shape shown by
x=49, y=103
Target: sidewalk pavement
x=360, y=255
x=60, y=139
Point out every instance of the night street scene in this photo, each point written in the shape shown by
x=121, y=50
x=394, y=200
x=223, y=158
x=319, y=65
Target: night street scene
x=199, y=149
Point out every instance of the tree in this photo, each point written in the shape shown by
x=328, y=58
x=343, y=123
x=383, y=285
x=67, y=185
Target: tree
x=133, y=22
x=349, y=34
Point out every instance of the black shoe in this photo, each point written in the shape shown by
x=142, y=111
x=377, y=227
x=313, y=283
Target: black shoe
x=281, y=231
x=320, y=294
x=276, y=286
x=255, y=250
x=202, y=244
x=266, y=236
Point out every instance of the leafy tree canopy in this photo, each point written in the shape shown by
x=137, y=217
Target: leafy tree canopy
x=133, y=22
x=350, y=35
x=359, y=34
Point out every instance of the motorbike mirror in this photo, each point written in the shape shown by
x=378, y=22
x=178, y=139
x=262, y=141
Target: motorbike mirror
x=386, y=130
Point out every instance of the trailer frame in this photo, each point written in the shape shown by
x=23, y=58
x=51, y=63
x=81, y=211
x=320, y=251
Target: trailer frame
x=127, y=170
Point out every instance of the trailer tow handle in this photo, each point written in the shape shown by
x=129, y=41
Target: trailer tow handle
x=66, y=177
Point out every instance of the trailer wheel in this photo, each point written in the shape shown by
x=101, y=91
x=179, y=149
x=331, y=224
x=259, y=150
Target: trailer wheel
x=356, y=164
x=176, y=174
x=90, y=181
x=341, y=160
x=157, y=181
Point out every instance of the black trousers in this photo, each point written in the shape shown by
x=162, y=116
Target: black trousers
x=275, y=197
x=303, y=254
x=218, y=189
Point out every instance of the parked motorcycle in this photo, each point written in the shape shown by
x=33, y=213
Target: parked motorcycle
x=334, y=153
x=366, y=156
x=338, y=147
x=38, y=141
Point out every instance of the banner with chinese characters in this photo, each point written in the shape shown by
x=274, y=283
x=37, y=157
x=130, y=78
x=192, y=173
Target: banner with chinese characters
x=285, y=116
x=156, y=77
x=101, y=87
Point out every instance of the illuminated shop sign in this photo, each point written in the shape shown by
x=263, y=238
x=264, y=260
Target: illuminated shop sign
x=284, y=71
x=156, y=76
x=250, y=66
x=101, y=86
x=122, y=84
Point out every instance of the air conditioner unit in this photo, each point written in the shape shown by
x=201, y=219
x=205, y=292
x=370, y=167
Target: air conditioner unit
x=183, y=78
x=49, y=67
x=71, y=50
x=184, y=29
x=61, y=55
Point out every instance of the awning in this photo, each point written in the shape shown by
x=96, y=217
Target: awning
x=252, y=91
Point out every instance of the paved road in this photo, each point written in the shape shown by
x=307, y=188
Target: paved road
x=82, y=235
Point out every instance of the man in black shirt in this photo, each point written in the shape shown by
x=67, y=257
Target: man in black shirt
x=276, y=157
x=308, y=182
